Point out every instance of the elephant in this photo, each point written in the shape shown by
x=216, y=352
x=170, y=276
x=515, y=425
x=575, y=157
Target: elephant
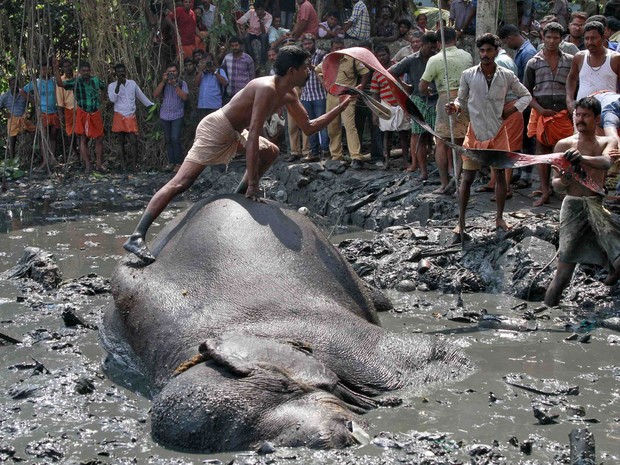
x=251, y=327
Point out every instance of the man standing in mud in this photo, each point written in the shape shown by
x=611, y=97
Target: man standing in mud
x=493, y=124
x=588, y=233
x=235, y=126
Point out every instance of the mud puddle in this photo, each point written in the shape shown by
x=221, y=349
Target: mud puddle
x=58, y=407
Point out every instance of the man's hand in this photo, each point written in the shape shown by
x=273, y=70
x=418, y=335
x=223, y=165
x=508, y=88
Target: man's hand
x=451, y=108
x=507, y=112
x=253, y=192
x=347, y=100
x=573, y=156
x=547, y=112
x=614, y=153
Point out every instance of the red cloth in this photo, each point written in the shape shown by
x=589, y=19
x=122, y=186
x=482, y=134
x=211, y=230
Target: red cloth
x=379, y=84
x=122, y=123
x=186, y=24
x=69, y=121
x=89, y=124
x=549, y=129
x=50, y=119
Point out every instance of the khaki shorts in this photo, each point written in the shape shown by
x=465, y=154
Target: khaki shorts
x=217, y=142
x=442, y=122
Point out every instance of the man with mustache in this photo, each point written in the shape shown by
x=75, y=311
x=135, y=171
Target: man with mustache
x=595, y=69
x=588, y=234
x=238, y=126
x=492, y=123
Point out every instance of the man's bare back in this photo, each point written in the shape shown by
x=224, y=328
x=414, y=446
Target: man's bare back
x=240, y=110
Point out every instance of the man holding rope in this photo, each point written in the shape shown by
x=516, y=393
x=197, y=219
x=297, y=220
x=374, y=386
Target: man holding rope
x=483, y=88
x=238, y=126
x=588, y=234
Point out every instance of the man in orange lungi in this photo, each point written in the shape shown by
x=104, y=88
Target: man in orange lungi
x=545, y=77
x=483, y=88
x=87, y=90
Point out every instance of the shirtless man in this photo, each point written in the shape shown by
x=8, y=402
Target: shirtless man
x=595, y=69
x=587, y=232
x=218, y=136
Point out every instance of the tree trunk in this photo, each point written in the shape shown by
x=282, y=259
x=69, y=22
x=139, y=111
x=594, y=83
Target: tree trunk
x=509, y=13
x=486, y=16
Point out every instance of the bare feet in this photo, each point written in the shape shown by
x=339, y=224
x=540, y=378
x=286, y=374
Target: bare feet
x=501, y=224
x=541, y=201
x=136, y=245
x=440, y=190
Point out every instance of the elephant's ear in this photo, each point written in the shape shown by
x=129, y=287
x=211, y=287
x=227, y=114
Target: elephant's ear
x=243, y=354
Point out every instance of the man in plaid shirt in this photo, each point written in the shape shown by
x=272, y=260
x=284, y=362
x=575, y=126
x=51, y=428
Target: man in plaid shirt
x=314, y=100
x=239, y=67
x=358, y=25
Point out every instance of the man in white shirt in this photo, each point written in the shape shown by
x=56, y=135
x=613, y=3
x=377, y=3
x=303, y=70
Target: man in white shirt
x=123, y=93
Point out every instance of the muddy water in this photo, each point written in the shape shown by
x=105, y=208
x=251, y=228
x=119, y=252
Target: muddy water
x=43, y=418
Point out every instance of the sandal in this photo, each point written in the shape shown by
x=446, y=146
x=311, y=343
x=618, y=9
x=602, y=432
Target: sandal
x=521, y=184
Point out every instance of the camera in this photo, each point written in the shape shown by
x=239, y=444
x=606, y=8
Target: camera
x=170, y=76
x=209, y=64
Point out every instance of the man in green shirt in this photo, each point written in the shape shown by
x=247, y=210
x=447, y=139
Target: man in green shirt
x=456, y=61
x=88, y=94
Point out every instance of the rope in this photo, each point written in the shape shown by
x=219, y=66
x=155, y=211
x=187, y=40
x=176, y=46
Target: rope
x=192, y=362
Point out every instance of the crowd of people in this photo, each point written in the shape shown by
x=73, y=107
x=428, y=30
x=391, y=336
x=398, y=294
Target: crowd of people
x=246, y=96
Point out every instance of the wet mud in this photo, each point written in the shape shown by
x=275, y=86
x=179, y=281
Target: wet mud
x=548, y=386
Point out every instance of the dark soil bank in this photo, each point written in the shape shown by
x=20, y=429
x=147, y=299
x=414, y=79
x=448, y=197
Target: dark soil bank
x=58, y=406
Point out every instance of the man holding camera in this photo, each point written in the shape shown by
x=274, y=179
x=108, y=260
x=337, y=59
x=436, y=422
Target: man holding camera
x=174, y=92
x=211, y=82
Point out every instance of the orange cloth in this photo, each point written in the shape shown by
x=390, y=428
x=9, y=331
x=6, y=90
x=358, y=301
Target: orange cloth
x=509, y=137
x=50, y=119
x=69, y=121
x=122, y=123
x=549, y=129
x=18, y=124
x=89, y=124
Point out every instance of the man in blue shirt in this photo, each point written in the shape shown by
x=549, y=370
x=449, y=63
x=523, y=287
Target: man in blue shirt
x=211, y=81
x=17, y=121
x=43, y=92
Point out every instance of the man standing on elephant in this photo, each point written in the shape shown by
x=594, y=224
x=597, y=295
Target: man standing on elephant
x=235, y=126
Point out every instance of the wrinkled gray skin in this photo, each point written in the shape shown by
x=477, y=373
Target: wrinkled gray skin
x=292, y=341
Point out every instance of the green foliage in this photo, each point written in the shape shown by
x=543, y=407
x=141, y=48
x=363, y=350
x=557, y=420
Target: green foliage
x=10, y=169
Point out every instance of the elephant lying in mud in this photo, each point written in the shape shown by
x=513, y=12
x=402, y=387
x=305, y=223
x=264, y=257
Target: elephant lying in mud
x=283, y=341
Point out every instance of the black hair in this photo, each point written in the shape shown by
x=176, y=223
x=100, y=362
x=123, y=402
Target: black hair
x=173, y=65
x=488, y=39
x=613, y=23
x=235, y=39
x=290, y=56
x=84, y=64
x=449, y=34
x=553, y=27
x=382, y=48
x=336, y=40
x=508, y=30
x=65, y=60
x=600, y=18
x=119, y=66
x=430, y=38
x=259, y=4
x=589, y=103
x=594, y=26
x=406, y=22
x=422, y=14
x=365, y=44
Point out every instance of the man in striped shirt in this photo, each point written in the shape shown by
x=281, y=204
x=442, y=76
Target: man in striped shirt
x=545, y=77
x=314, y=99
x=239, y=67
x=399, y=122
x=358, y=25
